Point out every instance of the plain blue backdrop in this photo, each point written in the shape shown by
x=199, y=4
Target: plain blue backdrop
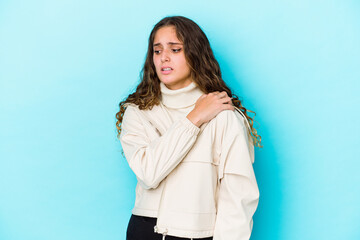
x=65, y=65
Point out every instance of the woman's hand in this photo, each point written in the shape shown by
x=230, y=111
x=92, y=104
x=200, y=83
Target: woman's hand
x=208, y=106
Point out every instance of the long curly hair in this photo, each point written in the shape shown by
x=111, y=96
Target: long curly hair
x=204, y=70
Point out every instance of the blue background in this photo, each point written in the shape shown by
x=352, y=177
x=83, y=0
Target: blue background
x=65, y=66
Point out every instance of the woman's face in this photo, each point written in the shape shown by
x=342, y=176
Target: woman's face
x=169, y=59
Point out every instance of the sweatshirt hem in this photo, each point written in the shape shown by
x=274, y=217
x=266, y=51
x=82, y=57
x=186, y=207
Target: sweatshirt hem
x=144, y=212
x=184, y=233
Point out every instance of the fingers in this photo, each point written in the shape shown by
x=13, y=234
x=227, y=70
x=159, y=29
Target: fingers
x=229, y=107
x=227, y=103
x=222, y=98
x=226, y=100
x=222, y=94
x=202, y=96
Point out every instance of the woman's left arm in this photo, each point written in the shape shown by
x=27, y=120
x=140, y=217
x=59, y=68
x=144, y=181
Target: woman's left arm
x=238, y=194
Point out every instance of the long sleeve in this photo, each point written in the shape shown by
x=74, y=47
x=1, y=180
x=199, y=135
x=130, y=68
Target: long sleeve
x=238, y=194
x=153, y=159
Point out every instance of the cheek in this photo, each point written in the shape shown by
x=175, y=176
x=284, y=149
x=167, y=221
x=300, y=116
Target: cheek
x=156, y=62
x=182, y=62
x=185, y=66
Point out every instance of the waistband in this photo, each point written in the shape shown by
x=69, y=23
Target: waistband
x=153, y=220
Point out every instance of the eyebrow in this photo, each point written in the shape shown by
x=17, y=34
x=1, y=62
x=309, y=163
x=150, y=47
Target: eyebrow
x=169, y=43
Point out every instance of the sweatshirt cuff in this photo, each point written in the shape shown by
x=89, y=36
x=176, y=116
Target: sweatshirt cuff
x=190, y=127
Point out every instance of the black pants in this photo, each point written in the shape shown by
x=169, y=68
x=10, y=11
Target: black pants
x=142, y=228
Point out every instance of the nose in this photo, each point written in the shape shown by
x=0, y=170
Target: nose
x=165, y=56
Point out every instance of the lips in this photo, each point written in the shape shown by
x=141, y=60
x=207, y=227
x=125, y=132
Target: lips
x=166, y=70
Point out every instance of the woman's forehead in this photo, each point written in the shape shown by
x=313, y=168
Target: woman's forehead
x=166, y=35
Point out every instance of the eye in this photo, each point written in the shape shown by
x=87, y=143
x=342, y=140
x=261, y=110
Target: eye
x=177, y=50
x=156, y=51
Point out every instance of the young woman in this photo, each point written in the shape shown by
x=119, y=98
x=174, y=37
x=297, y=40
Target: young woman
x=190, y=145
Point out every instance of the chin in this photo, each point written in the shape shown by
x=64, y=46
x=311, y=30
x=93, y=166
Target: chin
x=167, y=81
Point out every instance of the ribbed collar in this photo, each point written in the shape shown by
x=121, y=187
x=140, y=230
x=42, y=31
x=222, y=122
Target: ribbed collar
x=180, y=98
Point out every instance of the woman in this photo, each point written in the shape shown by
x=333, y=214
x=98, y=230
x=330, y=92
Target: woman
x=189, y=144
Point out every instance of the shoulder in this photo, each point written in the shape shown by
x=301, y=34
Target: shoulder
x=232, y=119
x=131, y=110
x=131, y=106
x=133, y=115
x=133, y=122
x=231, y=124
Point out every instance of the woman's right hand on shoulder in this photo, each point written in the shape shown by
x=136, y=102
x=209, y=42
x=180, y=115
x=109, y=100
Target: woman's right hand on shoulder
x=208, y=106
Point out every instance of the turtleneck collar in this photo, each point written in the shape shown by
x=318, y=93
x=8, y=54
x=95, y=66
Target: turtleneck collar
x=180, y=98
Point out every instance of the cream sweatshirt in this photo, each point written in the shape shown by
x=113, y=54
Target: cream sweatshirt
x=197, y=182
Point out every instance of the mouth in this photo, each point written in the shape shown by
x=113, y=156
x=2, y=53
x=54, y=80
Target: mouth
x=166, y=70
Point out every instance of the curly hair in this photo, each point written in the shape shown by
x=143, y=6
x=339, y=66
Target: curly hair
x=199, y=56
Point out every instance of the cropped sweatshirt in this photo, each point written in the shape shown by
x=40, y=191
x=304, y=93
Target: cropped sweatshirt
x=197, y=182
